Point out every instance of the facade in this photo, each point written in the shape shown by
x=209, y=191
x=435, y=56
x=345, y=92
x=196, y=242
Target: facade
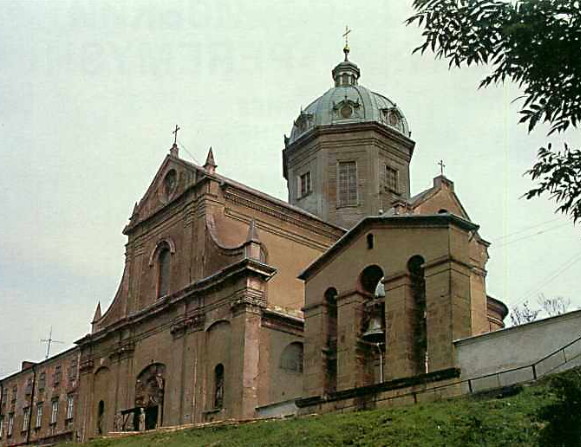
x=232, y=300
x=39, y=403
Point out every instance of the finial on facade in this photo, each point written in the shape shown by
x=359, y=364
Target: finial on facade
x=97, y=315
x=346, y=47
x=210, y=164
x=252, y=235
x=174, y=149
x=252, y=246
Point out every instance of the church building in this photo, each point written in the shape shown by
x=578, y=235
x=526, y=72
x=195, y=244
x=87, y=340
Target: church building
x=232, y=300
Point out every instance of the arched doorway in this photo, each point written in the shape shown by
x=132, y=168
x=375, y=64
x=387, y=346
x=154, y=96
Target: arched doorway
x=149, y=394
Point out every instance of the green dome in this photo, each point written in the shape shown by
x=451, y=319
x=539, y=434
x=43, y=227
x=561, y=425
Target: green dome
x=348, y=103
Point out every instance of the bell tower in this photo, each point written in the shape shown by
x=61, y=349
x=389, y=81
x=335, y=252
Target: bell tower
x=348, y=153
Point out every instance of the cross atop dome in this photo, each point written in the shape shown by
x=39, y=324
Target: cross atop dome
x=346, y=47
x=346, y=73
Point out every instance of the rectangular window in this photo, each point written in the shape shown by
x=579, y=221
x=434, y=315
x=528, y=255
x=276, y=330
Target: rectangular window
x=26, y=419
x=28, y=389
x=42, y=381
x=305, y=187
x=54, y=411
x=1, y=426
x=391, y=179
x=57, y=375
x=10, y=424
x=70, y=406
x=14, y=393
x=39, y=410
x=347, y=184
x=4, y=397
x=73, y=370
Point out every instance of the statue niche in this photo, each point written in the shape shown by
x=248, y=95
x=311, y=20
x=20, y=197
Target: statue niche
x=149, y=393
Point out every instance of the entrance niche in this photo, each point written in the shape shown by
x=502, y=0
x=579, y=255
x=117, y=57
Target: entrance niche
x=149, y=393
x=100, y=415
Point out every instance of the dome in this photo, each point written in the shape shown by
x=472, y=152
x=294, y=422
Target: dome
x=347, y=103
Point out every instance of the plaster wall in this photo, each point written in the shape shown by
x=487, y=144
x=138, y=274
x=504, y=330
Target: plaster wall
x=516, y=346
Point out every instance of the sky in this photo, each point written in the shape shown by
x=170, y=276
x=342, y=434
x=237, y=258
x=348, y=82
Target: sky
x=90, y=92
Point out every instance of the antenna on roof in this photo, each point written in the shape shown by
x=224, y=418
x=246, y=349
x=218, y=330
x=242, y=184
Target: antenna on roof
x=49, y=341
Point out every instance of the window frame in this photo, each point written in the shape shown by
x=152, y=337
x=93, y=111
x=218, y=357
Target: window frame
x=70, y=407
x=57, y=375
x=348, y=201
x=39, y=414
x=10, y=428
x=391, y=179
x=54, y=409
x=42, y=381
x=25, y=418
x=163, y=250
x=304, y=184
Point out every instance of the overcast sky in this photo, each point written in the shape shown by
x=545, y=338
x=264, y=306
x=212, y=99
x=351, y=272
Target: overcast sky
x=91, y=90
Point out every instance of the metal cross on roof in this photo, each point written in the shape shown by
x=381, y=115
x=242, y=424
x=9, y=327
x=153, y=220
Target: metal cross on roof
x=175, y=132
x=442, y=166
x=346, y=35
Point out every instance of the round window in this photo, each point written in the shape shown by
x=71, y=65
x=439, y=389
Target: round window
x=346, y=111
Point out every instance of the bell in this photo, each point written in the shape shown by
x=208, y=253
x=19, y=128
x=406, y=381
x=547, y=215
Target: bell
x=380, y=289
x=374, y=332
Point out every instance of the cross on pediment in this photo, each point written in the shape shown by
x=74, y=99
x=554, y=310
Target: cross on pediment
x=175, y=132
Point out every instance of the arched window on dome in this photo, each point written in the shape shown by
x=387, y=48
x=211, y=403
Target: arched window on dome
x=163, y=264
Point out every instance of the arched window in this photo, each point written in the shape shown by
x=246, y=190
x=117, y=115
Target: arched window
x=164, y=261
x=219, y=386
x=370, y=241
x=292, y=358
x=331, y=348
x=370, y=278
x=418, y=290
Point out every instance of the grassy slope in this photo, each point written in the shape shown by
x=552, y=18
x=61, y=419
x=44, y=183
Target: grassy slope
x=462, y=422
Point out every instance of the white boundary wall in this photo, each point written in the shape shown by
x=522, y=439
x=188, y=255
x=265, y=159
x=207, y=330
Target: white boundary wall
x=516, y=346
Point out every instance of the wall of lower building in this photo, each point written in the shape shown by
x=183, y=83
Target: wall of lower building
x=49, y=385
x=516, y=346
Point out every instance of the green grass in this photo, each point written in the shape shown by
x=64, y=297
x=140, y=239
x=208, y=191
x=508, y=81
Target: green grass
x=463, y=422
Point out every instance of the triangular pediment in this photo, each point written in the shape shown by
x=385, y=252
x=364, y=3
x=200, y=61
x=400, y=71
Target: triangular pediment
x=172, y=179
x=439, y=199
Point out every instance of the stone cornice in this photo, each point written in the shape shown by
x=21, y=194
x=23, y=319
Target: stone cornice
x=343, y=129
x=282, y=322
x=403, y=221
x=245, y=267
x=285, y=213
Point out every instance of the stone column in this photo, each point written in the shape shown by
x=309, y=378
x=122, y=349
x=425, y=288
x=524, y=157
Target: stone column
x=314, y=359
x=399, y=307
x=351, y=358
x=246, y=325
x=448, y=310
